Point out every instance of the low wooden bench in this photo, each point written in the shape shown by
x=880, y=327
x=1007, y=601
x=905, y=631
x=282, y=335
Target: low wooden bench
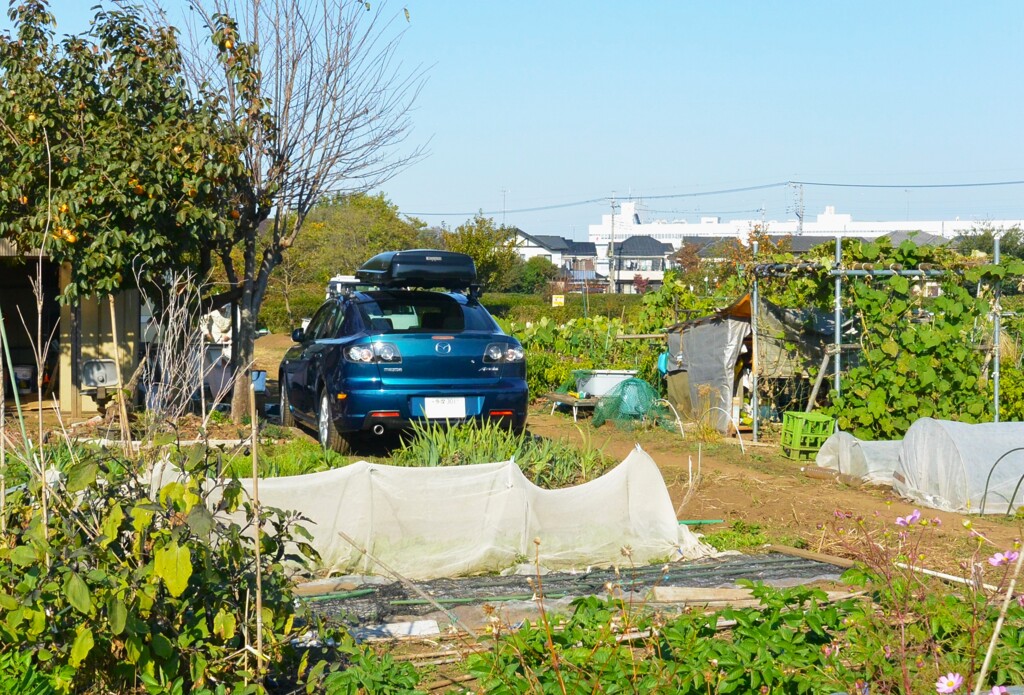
x=573, y=402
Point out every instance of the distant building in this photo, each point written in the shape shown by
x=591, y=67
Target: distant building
x=563, y=253
x=639, y=257
x=823, y=229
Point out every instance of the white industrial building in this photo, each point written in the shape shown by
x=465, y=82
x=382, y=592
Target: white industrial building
x=627, y=223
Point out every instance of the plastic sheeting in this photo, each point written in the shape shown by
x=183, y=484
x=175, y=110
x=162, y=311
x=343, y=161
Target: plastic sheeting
x=963, y=468
x=708, y=352
x=872, y=462
x=444, y=522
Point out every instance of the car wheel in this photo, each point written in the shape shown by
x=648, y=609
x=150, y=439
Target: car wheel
x=328, y=434
x=287, y=419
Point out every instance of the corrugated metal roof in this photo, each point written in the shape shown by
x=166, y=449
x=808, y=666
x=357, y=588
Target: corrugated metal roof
x=7, y=249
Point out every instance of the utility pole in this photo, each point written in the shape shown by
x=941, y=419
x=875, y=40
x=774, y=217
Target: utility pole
x=504, y=197
x=612, y=270
x=800, y=209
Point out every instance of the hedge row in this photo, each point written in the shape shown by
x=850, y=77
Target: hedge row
x=521, y=308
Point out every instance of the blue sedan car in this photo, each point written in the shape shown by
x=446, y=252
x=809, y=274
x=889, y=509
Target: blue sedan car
x=379, y=360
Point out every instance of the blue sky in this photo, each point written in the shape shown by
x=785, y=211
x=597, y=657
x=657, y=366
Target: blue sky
x=536, y=104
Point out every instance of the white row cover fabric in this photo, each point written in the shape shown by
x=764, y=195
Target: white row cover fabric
x=443, y=522
x=963, y=468
x=872, y=462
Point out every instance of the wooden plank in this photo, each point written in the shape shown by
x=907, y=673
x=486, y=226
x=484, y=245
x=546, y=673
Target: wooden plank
x=719, y=596
x=566, y=399
x=811, y=555
x=416, y=628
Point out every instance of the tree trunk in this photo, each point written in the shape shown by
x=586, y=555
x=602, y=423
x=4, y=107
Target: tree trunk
x=242, y=350
x=254, y=289
x=243, y=339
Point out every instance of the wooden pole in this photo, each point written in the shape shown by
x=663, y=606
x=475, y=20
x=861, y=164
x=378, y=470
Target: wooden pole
x=126, y=434
x=259, y=526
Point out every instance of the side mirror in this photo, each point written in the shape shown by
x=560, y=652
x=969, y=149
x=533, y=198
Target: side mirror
x=298, y=335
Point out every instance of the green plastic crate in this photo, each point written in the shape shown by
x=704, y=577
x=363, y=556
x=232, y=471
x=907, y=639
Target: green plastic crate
x=804, y=433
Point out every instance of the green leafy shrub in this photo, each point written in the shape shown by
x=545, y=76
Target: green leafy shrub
x=304, y=300
x=916, y=629
x=528, y=308
x=918, y=358
x=1011, y=394
x=105, y=587
x=554, y=351
x=613, y=646
x=904, y=634
x=739, y=536
x=297, y=457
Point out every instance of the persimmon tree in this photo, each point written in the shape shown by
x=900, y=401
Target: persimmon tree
x=313, y=90
x=108, y=160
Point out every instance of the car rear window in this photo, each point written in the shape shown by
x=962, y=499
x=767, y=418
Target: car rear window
x=422, y=312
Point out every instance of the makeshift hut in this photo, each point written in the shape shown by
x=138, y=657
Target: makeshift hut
x=710, y=358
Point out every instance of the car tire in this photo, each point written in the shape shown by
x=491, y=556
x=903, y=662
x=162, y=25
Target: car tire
x=287, y=419
x=327, y=433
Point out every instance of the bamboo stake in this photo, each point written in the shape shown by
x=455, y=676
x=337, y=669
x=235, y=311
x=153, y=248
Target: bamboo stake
x=259, y=527
x=126, y=435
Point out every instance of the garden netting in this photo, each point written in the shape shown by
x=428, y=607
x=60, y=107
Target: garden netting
x=872, y=462
x=633, y=403
x=958, y=467
x=428, y=523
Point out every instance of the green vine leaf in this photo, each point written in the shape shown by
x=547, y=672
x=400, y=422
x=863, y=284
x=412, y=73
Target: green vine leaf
x=78, y=593
x=174, y=566
x=82, y=645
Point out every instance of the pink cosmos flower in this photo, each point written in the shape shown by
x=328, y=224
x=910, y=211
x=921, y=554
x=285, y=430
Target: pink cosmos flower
x=998, y=690
x=908, y=520
x=949, y=683
x=1003, y=558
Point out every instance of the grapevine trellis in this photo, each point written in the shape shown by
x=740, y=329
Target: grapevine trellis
x=897, y=276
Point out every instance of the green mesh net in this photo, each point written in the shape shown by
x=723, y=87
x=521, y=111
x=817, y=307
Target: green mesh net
x=634, y=403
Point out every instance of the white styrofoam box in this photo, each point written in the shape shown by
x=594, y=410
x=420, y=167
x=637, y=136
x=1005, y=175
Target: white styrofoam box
x=598, y=382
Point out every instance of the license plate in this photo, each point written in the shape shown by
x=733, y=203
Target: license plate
x=444, y=408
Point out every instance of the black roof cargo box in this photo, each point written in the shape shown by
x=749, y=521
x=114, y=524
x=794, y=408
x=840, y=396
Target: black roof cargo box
x=419, y=268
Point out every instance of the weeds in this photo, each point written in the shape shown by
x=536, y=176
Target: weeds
x=548, y=463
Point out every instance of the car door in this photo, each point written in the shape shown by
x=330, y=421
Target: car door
x=316, y=353
x=298, y=363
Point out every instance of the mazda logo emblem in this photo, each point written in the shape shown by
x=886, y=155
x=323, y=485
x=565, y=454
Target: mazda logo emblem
x=443, y=348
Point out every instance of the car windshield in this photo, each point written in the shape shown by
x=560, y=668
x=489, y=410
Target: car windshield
x=422, y=312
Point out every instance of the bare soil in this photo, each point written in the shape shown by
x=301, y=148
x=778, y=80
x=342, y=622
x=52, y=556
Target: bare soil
x=756, y=485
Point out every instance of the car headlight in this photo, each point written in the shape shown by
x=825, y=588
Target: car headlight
x=503, y=352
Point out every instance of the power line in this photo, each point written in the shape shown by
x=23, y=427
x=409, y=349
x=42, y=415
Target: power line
x=724, y=191
x=701, y=212
x=908, y=185
x=498, y=212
